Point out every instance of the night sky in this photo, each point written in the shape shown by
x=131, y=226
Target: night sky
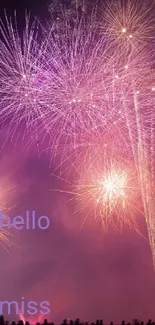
x=83, y=272
x=37, y=8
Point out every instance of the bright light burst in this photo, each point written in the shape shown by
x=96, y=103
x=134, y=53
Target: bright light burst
x=111, y=192
x=107, y=189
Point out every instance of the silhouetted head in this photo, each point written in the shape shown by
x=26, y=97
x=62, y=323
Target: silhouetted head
x=45, y=321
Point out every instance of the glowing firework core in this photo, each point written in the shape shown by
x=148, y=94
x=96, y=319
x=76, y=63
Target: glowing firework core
x=112, y=188
x=114, y=184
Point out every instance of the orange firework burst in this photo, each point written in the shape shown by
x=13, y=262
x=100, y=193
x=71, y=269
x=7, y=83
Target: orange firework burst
x=111, y=192
x=108, y=190
x=130, y=23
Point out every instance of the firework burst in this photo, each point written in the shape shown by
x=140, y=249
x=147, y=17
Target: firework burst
x=5, y=235
x=22, y=81
x=130, y=25
x=107, y=189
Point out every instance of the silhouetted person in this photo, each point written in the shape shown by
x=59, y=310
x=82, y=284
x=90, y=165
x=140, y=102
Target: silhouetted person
x=136, y=322
x=45, y=322
x=1, y=320
x=64, y=322
x=20, y=322
x=76, y=322
x=149, y=322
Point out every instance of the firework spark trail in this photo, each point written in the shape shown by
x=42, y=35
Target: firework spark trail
x=145, y=178
x=22, y=84
x=128, y=19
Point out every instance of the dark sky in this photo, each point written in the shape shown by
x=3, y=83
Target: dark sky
x=38, y=8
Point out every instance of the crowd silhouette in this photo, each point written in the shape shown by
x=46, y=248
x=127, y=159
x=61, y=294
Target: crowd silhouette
x=76, y=322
